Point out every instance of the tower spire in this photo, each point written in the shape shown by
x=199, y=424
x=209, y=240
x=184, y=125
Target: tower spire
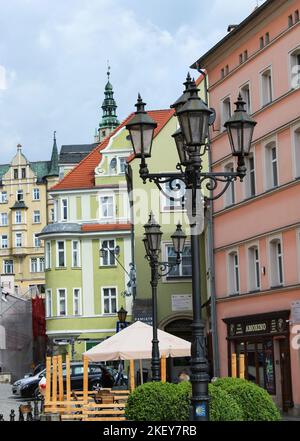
x=53, y=168
x=109, y=120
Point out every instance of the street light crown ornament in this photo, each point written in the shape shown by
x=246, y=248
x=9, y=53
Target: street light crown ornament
x=240, y=129
x=141, y=130
x=179, y=103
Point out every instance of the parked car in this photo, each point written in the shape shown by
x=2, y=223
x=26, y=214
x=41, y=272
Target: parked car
x=98, y=376
x=27, y=380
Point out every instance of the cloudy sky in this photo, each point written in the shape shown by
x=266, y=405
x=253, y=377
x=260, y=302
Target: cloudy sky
x=53, y=61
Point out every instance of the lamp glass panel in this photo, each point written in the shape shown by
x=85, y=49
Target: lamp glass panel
x=136, y=137
x=147, y=134
x=185, y=126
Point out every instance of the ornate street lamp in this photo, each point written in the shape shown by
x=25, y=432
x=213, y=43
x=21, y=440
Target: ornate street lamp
x=194, y=119
x=122, y=314
x=152, y=242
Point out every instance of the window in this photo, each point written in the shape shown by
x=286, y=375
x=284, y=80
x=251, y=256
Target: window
x=261, y=42
x=3, y=197
x=222, y=73
x=254, y=269
x=290, y=21
x=113, y=166
x=226, y=112
x=276, y=263
x=36, y=241
x=230, y=193
x=267, y=38
x=4, y=219
x=250, y=177
x=23, y=171
x=226, y=69
x=296, y=16
x=18, y=240
x=174, y=196
x=36, y=194
x=240, y=58
x=8, y=266
x=37, y=264
x=297, y=152
x=20, y=196
x=64, y=209
x=184, y=269
x=48, y=255
x=108, y=257
x=52, y=218
x=16, y=173
x=61, y=302
x=48, y=303
x=271, y=166
x=36, y=217
x=245, y=55
x=61, y=261
x=77, y=301
x=245, y=91
x=109, y=300
x=295, y=68
x=234, y=277
x=4, y=241
x=122, y=165
x=75, y=253
x=18, y=217
x=266, y=85
x=107, y=206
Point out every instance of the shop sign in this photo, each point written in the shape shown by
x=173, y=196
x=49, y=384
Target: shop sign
x=249, y=326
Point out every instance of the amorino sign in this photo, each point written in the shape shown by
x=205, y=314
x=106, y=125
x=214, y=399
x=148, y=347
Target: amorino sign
x=261, y=324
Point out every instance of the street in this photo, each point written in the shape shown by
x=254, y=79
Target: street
x=9, y=402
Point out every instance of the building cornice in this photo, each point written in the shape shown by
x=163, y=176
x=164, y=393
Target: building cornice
x=267, y=292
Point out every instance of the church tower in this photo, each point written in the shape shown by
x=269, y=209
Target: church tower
x=109, y=120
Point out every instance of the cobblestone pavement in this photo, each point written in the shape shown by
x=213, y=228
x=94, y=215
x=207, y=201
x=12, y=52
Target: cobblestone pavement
x=9, y=402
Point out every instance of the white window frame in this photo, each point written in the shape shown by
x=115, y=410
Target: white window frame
x=269, y=175
x=169, y=206
x=234, y=284
x=291, y=63
x=4, y=241
x=58, y=302
x=19, y=191
x=274, y=277
x=36, y=194
x=252, y=268
x=4, y=216
x=12, y=265
x=32, y=269
x=36, y=239
x=120, y=159
x=102, y=300
x=180, y=276
x=248, y=101
x=111, y=195
x=49, y=310
x=17, y=237
x=225, y=117
x=108, y=253
x=48, y=254
x=18, y=216
x=80, y=302
x=230, y=194
x=295, y=132
x=263, y=101
x=247, y=180
x=57, y=254
x=37, y=214
x=64, y=207
x=78, y=253
x=3, y=197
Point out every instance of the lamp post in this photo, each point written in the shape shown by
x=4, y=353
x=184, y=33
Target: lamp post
x=191, y=141
x=152, y=243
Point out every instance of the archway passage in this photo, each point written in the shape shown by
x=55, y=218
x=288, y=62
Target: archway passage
x=180, y=328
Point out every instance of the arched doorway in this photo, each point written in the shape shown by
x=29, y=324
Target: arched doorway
x=180, y=327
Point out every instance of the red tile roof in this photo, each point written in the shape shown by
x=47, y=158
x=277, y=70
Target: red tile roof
x=105, y=227
x=83, y=175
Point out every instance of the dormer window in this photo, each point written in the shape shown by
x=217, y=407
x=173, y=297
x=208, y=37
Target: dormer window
x=122, y=165
x=113, y=165
x=16, y=173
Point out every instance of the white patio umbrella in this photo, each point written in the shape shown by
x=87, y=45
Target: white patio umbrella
x=135, y=343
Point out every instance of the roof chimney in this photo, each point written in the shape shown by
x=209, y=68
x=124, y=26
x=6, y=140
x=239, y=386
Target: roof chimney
x=231, y=27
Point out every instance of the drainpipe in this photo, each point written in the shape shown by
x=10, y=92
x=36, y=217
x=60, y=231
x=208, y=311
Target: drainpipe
x=210, y=252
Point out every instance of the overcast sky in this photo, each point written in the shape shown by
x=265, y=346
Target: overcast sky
x=53, y=61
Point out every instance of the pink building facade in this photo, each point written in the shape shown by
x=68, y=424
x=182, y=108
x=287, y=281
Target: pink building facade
x=257, y=222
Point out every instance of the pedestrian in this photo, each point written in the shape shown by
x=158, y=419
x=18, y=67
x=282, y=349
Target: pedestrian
x=183, y=376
